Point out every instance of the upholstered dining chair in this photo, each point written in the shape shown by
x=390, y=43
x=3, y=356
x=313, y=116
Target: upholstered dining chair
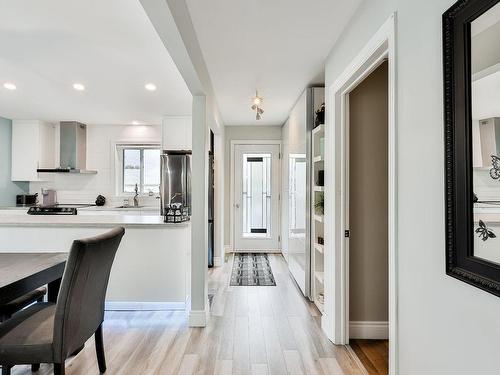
x=50, y=333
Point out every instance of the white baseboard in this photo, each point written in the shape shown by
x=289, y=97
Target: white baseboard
x=369, y=330
x=198, y=318
x=218, y=261
x=144, y=306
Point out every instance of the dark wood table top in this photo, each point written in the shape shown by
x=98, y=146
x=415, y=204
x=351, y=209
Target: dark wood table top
x=23, y=272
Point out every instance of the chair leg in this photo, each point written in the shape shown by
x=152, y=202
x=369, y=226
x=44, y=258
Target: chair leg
x=6, y=369
x=59, y=369
x=35, y=367
x=99, y=349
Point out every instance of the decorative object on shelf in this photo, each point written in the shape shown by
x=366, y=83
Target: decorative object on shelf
x=320, y=116
x=495, y=171
x=100, y=200
x=256, y=102
x=176, y=213
x=321, y=241
x=321, y=298
x=321, y=178
x=483, y=231
x=319, y=204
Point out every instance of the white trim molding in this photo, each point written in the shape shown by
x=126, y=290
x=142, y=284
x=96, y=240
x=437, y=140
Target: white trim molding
x=144, y=306
x=198, y=318
x=335, y=320
x=218, y=261
x=369, y=330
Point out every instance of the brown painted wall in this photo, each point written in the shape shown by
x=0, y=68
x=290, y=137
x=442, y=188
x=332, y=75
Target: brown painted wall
x=368, y=190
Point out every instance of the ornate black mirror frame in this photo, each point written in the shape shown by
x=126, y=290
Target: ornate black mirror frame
x=460, y=260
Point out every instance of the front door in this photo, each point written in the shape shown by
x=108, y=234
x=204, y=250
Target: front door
x=256, y=197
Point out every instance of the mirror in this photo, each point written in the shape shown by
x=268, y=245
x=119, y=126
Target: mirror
x=485, y=78
x=471, y=34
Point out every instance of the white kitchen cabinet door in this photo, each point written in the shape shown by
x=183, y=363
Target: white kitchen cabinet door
x=33, y=144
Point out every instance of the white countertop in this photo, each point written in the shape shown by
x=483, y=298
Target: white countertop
x=140, y=221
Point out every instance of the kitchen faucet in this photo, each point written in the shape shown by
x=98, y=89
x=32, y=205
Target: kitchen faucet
x=136, y=196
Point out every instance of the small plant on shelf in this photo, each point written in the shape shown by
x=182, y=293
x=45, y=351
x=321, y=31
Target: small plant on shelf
x=319, y=204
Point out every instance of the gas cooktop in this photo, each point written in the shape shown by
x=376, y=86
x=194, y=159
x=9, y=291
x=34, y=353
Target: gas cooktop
x=53, y=210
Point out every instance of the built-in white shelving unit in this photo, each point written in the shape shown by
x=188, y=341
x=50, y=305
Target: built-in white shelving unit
x=317, y=226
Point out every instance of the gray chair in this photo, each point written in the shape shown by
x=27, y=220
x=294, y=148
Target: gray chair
x=50, y=333
x=12, y=307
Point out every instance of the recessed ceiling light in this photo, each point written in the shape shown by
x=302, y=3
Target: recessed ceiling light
x=78, y=87
x=9, y=86
x=150, y=86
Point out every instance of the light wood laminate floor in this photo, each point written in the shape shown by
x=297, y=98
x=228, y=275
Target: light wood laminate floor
x=252, y=330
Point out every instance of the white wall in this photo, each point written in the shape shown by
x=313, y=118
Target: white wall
x=74, y=188
x=445, y=326
x=241, y=133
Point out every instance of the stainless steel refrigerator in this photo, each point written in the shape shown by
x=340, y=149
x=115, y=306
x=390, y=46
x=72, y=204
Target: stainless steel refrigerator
x=175, y=178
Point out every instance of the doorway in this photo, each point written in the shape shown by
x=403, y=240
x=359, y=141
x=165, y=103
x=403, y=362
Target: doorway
x=256, y=198
x=367, y=219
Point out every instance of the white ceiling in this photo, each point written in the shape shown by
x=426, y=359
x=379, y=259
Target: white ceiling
x=278, y=47
x=109, y=46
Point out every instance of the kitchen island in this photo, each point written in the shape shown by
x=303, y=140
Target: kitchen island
x=152, y=266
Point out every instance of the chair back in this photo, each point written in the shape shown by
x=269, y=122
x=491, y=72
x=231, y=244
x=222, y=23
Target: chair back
x=80, y=303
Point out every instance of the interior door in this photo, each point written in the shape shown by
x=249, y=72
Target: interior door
x=256, y=197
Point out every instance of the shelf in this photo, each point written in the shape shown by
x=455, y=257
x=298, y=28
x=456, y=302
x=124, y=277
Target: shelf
x=318, y=159
x=319, y=248
x=319, y=188
x=318, y=218
x=318, y=130
x=320, y=276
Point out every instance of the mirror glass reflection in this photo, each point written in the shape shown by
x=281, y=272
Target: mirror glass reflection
x=485, y=67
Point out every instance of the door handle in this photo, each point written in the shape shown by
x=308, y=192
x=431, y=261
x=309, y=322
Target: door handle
x=236, y=205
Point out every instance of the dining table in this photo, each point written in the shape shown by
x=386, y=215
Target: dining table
x=20, y=273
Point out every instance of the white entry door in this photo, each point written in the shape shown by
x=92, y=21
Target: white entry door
x=256, y=197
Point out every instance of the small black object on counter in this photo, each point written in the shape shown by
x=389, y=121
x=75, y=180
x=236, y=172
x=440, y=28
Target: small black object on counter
x=100, y=200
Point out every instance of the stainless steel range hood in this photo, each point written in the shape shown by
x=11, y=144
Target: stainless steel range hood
x=73, y=149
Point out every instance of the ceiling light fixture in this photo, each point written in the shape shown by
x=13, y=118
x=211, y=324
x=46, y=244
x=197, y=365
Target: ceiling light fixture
x=78, y=87
x=135, y=122
x=9, y=86
x=150, y=86
x=256, y=102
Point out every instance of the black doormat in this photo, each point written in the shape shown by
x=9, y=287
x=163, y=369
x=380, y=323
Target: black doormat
x=252, y=269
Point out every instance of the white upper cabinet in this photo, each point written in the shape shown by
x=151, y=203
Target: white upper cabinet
x=33, y=147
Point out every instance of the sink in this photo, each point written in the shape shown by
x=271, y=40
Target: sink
x=133, y=207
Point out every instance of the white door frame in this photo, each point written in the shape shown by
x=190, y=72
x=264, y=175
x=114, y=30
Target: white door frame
x=335, y=321
x=232, y=183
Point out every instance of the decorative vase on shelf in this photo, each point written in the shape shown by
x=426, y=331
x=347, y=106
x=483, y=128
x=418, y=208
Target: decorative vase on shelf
x=320, y=116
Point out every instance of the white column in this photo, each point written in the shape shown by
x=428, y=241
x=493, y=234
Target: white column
x=176, y=133
x=198, y=313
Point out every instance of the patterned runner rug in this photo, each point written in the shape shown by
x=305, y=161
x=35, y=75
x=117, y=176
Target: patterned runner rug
x=252, y=269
